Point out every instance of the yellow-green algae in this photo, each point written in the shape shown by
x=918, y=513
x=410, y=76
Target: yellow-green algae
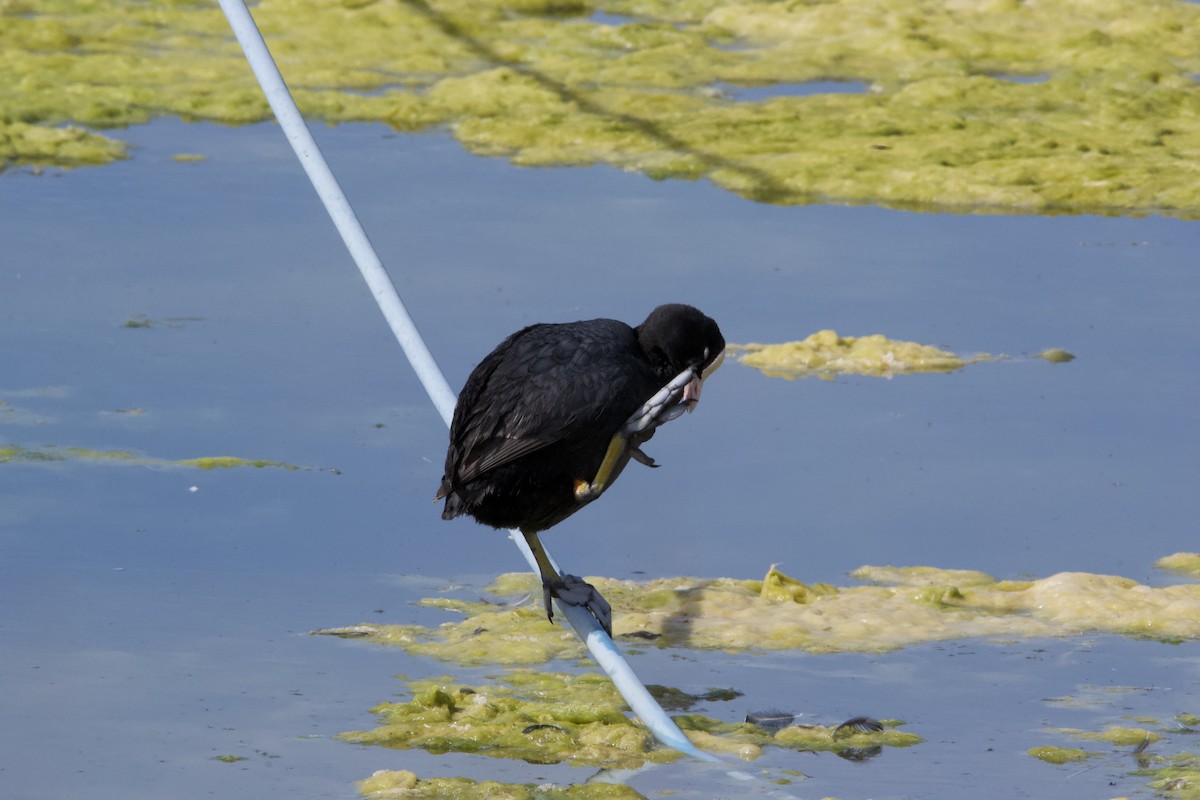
x=1055, y=355
x=825, y=354
x=14, y=453
x=402, y=783
x=550, y=718
x=1117, y=735
x=229, y=462
x=17, y=454
x=536, y=716
x=900, y=607
x=1175, y=775
x=1183, y=563
x=487, y=634
x=1060, y=755
x=1107, y=120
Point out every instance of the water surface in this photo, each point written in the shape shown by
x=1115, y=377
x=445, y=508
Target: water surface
x=156, y=617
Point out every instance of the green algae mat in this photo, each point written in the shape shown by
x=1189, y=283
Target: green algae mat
x=1145, y=743
x=827, y=355
x=553, y=718
x=16, y=454
x=997, y=106
x=550, y=718
x=547, y=717
x=891, y=608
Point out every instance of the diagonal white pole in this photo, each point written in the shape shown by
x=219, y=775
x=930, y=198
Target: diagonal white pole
x=598, y=642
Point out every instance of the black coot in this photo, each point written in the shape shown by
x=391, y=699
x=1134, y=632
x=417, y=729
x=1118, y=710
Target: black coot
x=540, y=426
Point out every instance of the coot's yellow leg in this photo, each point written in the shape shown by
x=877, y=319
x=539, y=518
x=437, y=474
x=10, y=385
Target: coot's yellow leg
x=570, y=589
x=549, y=574
x=588, y=491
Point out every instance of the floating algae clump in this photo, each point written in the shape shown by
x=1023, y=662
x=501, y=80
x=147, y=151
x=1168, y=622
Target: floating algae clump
x=902, y=607
x=549, y=718
x=18, y=454
x=229, y=462
x=68, y=146
x=539, y=717
x=401, y=783
x=1060, y=755
x=34, y=455
x=1118, y=735
x=832, y=739
x=1174, y=775
x=487, y=634
x=1110, y=123
x=1183, y=563
x=825, y=354
x=1056, y=355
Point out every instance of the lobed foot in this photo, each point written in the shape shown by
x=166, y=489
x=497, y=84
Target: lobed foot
x=574, y=590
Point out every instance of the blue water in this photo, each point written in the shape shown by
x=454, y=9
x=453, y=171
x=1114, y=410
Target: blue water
x=802, y=89
x=155, y=617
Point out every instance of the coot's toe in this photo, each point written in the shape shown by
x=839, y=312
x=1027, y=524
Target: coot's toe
x=574, y=590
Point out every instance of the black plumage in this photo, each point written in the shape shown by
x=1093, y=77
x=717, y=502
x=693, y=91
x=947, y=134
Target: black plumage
x=537, y=432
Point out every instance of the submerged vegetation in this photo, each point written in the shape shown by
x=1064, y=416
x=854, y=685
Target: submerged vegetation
x=998, y=106
x=16, y=454
x=1172, y=772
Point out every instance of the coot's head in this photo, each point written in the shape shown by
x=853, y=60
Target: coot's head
x=676, y=337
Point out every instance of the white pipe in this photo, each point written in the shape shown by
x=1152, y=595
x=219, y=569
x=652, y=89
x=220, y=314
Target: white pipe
x=382, y=289
x=338, y=207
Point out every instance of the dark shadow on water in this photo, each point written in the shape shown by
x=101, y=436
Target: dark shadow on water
x=678, y=627
x=763, y=187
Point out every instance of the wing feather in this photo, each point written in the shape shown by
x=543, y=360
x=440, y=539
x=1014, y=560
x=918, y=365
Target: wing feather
x=544, y=385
